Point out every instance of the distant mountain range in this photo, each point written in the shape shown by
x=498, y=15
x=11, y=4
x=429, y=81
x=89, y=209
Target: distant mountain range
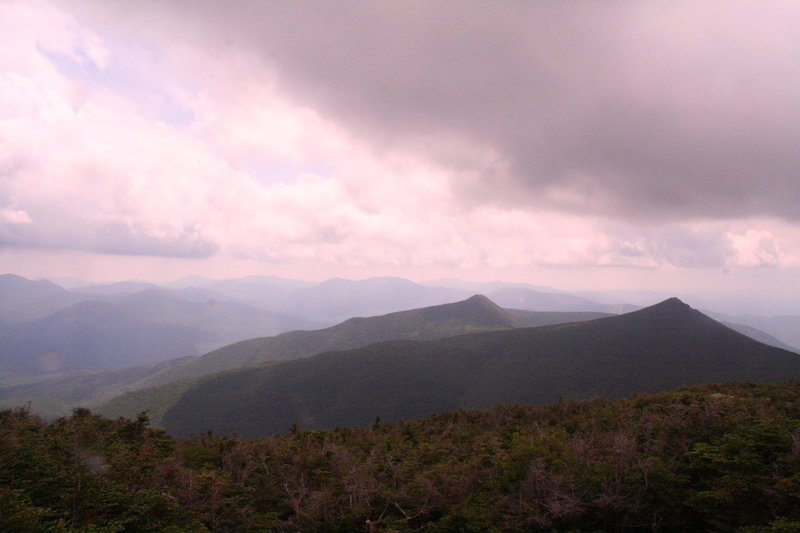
x=47, y=329
x=657, y=348
x=476, y=314
x=338, y=299
x=93, y=336
x=22, y=299
x=784, y=328
x=141, y=342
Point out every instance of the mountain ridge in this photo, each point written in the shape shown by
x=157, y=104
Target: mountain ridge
x=477, y=313
x=657, y=348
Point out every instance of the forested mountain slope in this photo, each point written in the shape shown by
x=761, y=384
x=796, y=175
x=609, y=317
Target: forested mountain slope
x=475, y=314
x=657, y=348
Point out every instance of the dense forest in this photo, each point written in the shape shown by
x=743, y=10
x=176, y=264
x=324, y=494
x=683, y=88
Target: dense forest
x=706, y=458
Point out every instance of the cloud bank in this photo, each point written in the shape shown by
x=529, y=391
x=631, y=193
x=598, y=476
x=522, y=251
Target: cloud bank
x=448, y=134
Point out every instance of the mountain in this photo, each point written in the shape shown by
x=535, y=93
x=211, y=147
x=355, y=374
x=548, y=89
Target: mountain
x=55, y=395
x=266, y=292
x=785, y=328
x=67, y=282
x=120, y=287
x=115, y=328
x=153, y=387
x=330, y=301
x=338, y=299
x=653, y=349
x=761, y=336
x=533, y=300
x=239, y=287
x=475, y=314
x=22, y=299
x=229, y=321
x=92, y=336
x=535, y=319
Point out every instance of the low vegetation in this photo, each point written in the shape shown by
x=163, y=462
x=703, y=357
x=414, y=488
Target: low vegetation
x=707, y=458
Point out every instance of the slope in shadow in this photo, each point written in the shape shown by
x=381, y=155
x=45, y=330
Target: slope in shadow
x=657, y=348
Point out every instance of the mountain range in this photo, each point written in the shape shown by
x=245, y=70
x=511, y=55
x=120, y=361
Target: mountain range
x=657, y=348
x=476, y=314
x=131, y=346
x=60, y=331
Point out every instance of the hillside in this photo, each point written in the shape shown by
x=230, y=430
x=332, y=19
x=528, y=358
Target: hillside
x=157, y=387
x=657, y=348
x=158, y=392
x=55, y=395
x=475, y=314
x=719, y=457
x=535, y=319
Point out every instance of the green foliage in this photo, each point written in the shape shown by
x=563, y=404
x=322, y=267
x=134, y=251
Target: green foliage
x=707, y=458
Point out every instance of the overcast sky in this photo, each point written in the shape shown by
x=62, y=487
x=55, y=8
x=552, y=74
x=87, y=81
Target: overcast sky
x=640, y=144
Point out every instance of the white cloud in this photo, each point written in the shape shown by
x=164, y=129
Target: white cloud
x=756, y=247
x=180, y=146
x=14, y=216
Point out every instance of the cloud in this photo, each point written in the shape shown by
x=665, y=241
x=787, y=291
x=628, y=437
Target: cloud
x=761, y=247
x=412, y=134
x=641, y=111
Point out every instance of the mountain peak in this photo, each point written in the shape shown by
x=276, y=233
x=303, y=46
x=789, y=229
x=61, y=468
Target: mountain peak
x=669, y=313
x=672, y=303
x=477, y=310
x=480, y=299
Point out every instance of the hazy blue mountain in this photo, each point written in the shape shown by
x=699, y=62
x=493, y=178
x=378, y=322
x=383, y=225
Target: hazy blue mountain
x=266, y=292
x=134, y=329
x=476, y=314
x=229, y=321
x=657, y=348
x=120, y=287
x=237, y=284
x=68, y=283
x=784, y=328
x=92, y=336
x=532, y=300
x=760, y=336
x=616, y=297
x=22, y=299
x=338, y=299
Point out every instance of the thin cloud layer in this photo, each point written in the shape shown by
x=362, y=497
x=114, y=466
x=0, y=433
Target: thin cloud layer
x=454, y=135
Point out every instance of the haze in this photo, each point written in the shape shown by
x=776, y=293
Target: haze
x=580, y=145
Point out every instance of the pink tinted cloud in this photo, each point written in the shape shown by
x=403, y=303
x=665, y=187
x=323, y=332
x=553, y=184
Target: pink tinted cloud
x=90, y=166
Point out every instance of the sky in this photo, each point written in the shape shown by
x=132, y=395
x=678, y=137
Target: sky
x=579, y=145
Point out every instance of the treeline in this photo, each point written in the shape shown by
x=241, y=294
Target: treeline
x=710, y=458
